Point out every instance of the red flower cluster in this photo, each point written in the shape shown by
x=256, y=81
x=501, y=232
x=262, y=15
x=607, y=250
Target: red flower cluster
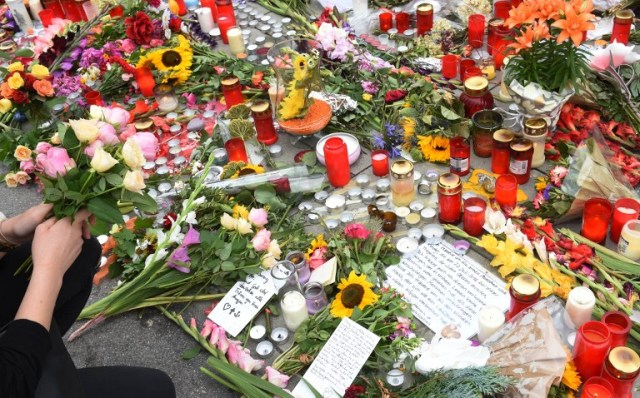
x=139, y=28
x=354, y=391
x=392, y=96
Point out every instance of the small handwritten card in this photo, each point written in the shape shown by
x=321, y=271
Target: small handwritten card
x=339, y=362
x=242, y=303
x=446, y=288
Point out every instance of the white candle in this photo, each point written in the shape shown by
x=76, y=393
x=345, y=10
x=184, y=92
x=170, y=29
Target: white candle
x=294, y=309
x=580, y=305
x=205, y=19
x=167, y=103
x=236, y=42
x=35, y=7
x=629, y=244
x=490, y=319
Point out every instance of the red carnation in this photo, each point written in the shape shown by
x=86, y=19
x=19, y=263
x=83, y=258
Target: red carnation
x=139, y=28
x=28, y=81
x=174, y=24
x=20, y=97
x=394, y=95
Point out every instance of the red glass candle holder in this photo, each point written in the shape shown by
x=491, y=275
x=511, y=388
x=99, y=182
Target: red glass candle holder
x=501, y=151
x=597, y=387
x=593, y=340
x=116, y=12
x=93, y=98
x=380, y=162
x=225, y=23
x=476, y=96
x=46, y=16
x=499, y=52
x=521, y=154
x=464, y=64
x=595, y=219
x=55, y=6
x=146, y=81
x=624, y=210
x=525, y=292
x=80, y=9
x=622, y=26
x=337, y=161
x=224, y=8
x=232, y=91
x=494, y=27
x=424, y=18
x=263, y=121
x=501, y=9
x=386, y=21
x=211, y=4
x=621, y=369
x=449, y=198
x=236, y=152
x=619, y=325
x=515, y=3
x=449, y=66
x=460, y=156
x=402, y=22
x=71, y=11
x=182, y=7
x=471, y=71
x=473, y=216
x=506, y=193
x=476, y=30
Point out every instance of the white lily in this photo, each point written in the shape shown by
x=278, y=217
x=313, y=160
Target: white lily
x=494, y=221
x=541, y=248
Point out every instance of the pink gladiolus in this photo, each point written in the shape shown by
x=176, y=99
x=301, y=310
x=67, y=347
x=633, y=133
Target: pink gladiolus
x=193, y=323
x=614, y=55
x=356, y=231
x=57, y=162
x=207, y=328
x=28, y=166
x=262, y=240
x=223, y=341
x=248, y=364
x=91, y=149
x=192, y=237
x=276, y=378
x=258, y=217
x=43, y=147
x=235, y=352
x=213, y=339
x=148, y=143
x=107, y=134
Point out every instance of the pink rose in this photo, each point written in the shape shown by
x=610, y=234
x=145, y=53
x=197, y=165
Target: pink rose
x=28, y=166
x=317, y=257
x=91, y=149
x=258, y=217
x=107, y=134
x=127, y=132
x=276, y=378
x=40, y=159
x=43, y=147
x=57, y=162
x=148, y=143
x=356, y=231
x=116, y=116
x=156, y=43
x=262, y=240
x=128, y=46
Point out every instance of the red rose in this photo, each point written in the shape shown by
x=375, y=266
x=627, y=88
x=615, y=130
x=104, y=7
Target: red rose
x=174, y=24
x=28, y=81
x=20, y=97
x=394, y=95
x=139, y=28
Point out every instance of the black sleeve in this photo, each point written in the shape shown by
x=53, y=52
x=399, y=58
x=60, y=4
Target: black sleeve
x=24, y=345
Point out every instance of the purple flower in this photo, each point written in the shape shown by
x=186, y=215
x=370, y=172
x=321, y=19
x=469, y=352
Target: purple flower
x=180, y=260
x=90, y=57
x=65, y=84
x=545, y=193
x=369, y=87
x=192, y=237
x=378, y=141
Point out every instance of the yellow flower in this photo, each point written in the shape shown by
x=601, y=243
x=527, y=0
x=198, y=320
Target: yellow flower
x=174, y=63
x=134, y=181
x=317, y=243
x=240, y=211
x=367, y=97
x=406, y=104
x=16, y=67
x=541, y=183
x=409, y=130
x=22, y=153
x=489, y=243
x=355, y=291
x=248, y=169
x=570, y=377
x=434, y=148
x=40, y=71
x=15, y=81
x=5, y=105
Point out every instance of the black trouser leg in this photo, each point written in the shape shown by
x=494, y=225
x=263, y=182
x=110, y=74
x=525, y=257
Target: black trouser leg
x=126, y=382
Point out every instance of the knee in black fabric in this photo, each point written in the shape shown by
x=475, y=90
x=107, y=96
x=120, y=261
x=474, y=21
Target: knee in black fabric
x=126, y=382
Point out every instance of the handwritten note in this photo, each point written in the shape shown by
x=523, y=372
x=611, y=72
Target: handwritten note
x=445, y=288
x=339, y=361
x=242, y=303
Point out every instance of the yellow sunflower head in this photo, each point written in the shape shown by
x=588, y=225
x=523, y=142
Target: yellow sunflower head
x=355, y=291
x=434, y=148
x=248, y=170
x=174, y=63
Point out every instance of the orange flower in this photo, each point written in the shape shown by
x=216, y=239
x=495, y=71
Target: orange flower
x=525, y=13
x=6, y=91
x=583, y=6
x=532, y=33
x=573, y=25
x=551, y=9
x=43, y=88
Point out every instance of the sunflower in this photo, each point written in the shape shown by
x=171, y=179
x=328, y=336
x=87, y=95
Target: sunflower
x=248, y=169
x=434, y=148
x=174, y=63
x=409, y=130
x=570, y=377
x=355, y=291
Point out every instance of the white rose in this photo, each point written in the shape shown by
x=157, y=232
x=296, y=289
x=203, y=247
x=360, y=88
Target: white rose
x=102, y=161
x=95, y=112
x=134, y=181
x=132, y=154
x=244, y=226
x=86, y=130
x=55, y=139
x=268, y=261
x=274, y=249
x=228, y=222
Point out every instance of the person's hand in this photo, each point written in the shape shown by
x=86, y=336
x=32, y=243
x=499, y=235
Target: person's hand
x=20, y=228
x=56, y=244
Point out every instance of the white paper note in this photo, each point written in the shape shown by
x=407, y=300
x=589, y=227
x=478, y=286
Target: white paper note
x=242, y=303
x=339, y=361
x=446, y=288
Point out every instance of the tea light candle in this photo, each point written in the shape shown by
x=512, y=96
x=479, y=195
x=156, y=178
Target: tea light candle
x=433, y=233
x=321, y=196
x=395, y=377
x=175, y=151
x=368, y=196
x=219, y=157
x=257, y=332
x=332, y=224
x=305, y=207
x=285, y=21
x=461, y=247
x=432, y=175
x=417, y=176
x=161, y=161
x=264, y=349
x=149, y=166
x=162, y=171
x=294, y=309
x=416, y=206
x=362, y=180
x=383, y=185
x=382, y=201
x=346, y=218
x=335, y=202
x=174, y=129
x=179, y=161
x=407, y=245
x=164, y=187
x=279, y=335
x=402, y=212
x=412, y=219
x=354, y=193
x=490, y=319
x=173, y=142
x=313, y=218
x=415, y=233
x=580, y=303
x=425, y=188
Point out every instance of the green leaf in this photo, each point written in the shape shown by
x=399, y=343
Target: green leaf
x=227, y=266
x=309, y=159
x=105, y=210
x=52, y=194
x=264, y=194
x=114, y=179
x=191, y=353
x=449, y=114
x=225, y=252
x=23, y=52
x=102, y=185
x=143, y=202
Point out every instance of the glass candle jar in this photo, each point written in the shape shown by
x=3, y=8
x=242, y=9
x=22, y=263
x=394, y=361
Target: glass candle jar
x=475, y=30
x=521, y=153
x=535, y=130
x=424, y=18
x=449, y=198
x=590, y=349
x=500, y=51
x=622, y=26
x=471, y=71
x=619, y=325
x=165, y=97
x=93, y=98
x=579, y=307
x=389, y=221
x=224, y=8
x=402, y=188
x=337, y=162
x=501, y=151
x=595, y=219
x=224, y=24
x=621, y=369
x=402, y=22
x=386, y=21
x=501, y=9
x=315, y=296
x=292, y=301
x=235, y=39
x=484, y=124
x=476, y=95
x=299, y=261
x=263, y=120
x=449, y=66
x=460, y=156
x=236, y=151
x=629, y=243
x=70, y=11
x=492, y=27
x=473, y=216
x=464, y=65
x=597, y=387
x=524, y=292
x=55, y=6
x=506, y=191
x=210, y=4
x=380, y=162
x=232, y=91
x=624, y=210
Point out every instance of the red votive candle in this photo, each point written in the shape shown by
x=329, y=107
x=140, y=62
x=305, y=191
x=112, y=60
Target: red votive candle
x=71, y=11
x=263, y=120
x=231, y=91
x=595, y=219
x=521, y=154
x=225, y=23
x=424, y=18
x=402, y=21
x=473, y=216
x=597, y=387
x=55, y=6
x=449, y=198
x=236, y=152
x=93, y=98
x=182, y=7
x=464, y=65
x=471, y=71
x=211, y=4
x=336, y=159
x=622, y=26
x=499, y=52
x=621, y=369
x=624, y=210
x=460, y=156
x=506, y=193
x=380, y=162
x=476, y=30
x=224, y=8
x=46, y=16
x=524, y=292
x=619, y=325
x=501, y=9
x=515, y=3
x=501, y=151
x=593, y=340
x=386, y=21
x=492, y=33
x=449, y=66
